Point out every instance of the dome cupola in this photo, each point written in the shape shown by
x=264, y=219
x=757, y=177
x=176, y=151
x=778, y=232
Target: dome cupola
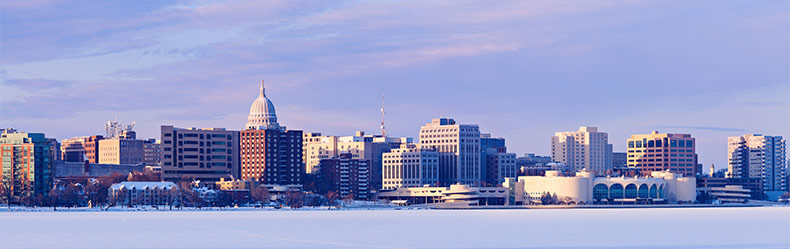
x=262, y=114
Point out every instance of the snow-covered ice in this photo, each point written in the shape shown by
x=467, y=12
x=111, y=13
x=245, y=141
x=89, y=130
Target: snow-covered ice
x=756, y=227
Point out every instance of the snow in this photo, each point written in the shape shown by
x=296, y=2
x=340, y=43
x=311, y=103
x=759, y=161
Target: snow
x=747, y=227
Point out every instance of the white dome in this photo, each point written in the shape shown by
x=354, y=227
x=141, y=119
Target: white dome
x=262, y=114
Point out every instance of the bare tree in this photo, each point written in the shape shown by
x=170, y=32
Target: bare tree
x=143, y=176
x=8, y=192
x=348, y=199
x=294, y=199
x=172, y=195
x=261, y=194
x=186, y=195
x=117, y=177
x=331, y=198
x=71, y=195
x=96, y=191
x=54, y=197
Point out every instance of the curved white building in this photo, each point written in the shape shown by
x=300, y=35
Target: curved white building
x=661, y=187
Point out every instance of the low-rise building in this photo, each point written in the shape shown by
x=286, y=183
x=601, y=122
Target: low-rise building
x=142, y=193
x=455, y=194
x=730, y=194
x=84, y=170
x=753, y=184
x=584, y=188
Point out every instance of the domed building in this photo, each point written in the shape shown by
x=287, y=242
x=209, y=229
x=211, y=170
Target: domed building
x=270, y=154
x=262, y=115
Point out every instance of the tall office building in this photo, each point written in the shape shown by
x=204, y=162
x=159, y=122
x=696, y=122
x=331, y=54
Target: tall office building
x=80, y=149
x=270, y=154
x=54, y=149
x=121, y=150
x=661, y=152
x=315, y=148
x=758, y=156
x=72, y=149
x=91, y=146
x=360, y=146
x=309, y=139
x=586, y=148
x=496, y=163
x=619, y=160
x=206, y=154
x=152, y=152
x=458, y=146
x=346, y=176
x=26, y=163
x=409, y=167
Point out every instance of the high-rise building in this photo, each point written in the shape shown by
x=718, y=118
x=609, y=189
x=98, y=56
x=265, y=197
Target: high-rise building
x=91, y=146
x=26, y=163
x=315, y=148
x=499, y=166
x=619, y=160
x=661, y=152
x=346, y=176
x=80, y=149
x=359, y=145
x=206, y=154
x=409, y=167
x=270, y=154
x=496, y=163
x=458, y=146
x=152, y=152
x=309, y=139
x=72, y=149
x=586, y=148
x=758, y=156
x=120, y=151
x=54, y=148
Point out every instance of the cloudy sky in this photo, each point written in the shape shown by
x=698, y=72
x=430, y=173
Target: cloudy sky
x=521, y=70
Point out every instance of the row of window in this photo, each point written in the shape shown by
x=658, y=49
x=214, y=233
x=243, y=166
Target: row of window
x=661, y=143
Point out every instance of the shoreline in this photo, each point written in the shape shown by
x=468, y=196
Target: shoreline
x=19, y=209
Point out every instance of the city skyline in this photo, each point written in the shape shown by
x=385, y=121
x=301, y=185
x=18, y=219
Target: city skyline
x=521, y=71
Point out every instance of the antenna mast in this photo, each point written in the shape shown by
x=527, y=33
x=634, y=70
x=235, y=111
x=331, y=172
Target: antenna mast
x=383, y=129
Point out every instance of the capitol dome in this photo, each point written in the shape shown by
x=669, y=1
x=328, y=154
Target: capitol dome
x=262, y=115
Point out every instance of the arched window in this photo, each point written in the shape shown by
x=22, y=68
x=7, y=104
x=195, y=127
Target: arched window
x=643, y=189
x=616, y=191
x=630, y=191
x=653, y=191
x=661, y=192
x=600, y=191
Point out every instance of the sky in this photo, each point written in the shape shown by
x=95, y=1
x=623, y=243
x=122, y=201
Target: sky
x=522, y=70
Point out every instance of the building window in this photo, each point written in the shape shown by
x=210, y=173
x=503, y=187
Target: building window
x=616, y=191
x=600, y=192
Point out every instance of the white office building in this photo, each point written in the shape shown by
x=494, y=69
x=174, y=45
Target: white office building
x=758, y=156
x=586, y=148
x=409, y=167
x=458, y=146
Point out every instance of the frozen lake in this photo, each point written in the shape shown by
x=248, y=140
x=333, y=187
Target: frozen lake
x=759, y=227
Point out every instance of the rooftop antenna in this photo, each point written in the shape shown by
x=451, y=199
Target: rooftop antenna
x=263, y=90
x=383, y=129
